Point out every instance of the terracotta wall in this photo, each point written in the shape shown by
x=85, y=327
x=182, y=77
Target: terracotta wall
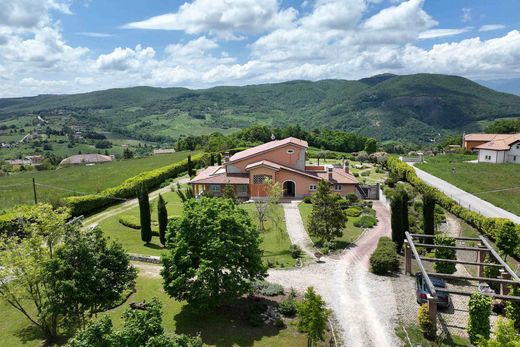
x=469, y=145
x=301, y=182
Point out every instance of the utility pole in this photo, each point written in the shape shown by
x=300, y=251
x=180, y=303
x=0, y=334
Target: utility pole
x=34, y=191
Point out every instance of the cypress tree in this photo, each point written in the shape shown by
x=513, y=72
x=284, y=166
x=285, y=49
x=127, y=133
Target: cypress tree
x=190, y=166
x=211, y=159
x=162, y=217
x=399, y=217
x=144, y=213
x=428, y=213
x=219, y=159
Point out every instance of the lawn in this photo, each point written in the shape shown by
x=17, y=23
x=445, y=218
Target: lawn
x=350, y=232
x=275, y=241
x=225, y=327
x=17, y=189
x=481, y=179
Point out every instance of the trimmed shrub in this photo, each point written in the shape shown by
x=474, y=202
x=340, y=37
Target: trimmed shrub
x=425, y=323
x=296, y=251
x=288, y=307
x=267, y=288
x=384, y=260
x=366, y=221
x=444, y=253
x=354, y=211
x=83, y=205
x=479, y=312
x=352, y=198
x=130, y=221
x=307, y=200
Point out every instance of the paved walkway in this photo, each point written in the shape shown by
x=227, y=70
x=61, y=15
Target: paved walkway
x=363, y=304
x=296, y=229
x=464, y=198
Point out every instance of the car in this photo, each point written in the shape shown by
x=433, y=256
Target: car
x=422, y=292
x=484, y=288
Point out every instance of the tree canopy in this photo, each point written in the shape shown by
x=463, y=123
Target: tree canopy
x=327, y=218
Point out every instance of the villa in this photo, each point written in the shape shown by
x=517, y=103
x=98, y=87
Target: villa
x=494, y=148
x=281, y=161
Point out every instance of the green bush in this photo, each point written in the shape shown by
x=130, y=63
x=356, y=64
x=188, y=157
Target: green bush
x=425, y=323
x=444, y=253
x=307, y=200
x=479, y=312
x=354, y=211
x=267, y=288
x=130, y=221
x=384, y=260
x=288, y=307
x=83, y=205
x=352, y=198
x=255, y=314
x=296, y=251
x=365, y=173
x=485, y=225
x=367, y=221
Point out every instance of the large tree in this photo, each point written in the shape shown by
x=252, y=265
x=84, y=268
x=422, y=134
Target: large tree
x=313, y=316
x=428, y=199
x=144, y=213
x=507, y=239
x=327, y=218
x=162, y=218
x=87, y=275
x=213, y=255
x=399, y=216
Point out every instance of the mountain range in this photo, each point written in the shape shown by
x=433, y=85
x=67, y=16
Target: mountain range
x=417, y=108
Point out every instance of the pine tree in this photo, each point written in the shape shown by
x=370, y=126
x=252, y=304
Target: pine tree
x=144, y=213
x=162, y=217
x=313, y=316
x=219, y=159
x=211, y=159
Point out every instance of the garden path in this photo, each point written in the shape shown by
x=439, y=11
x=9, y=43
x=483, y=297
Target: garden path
x=363, y=304
x=296, y=228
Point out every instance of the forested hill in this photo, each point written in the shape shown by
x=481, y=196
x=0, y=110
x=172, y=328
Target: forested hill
x=414, y=108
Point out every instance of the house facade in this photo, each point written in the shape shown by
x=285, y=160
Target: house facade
x=281, y=161
x=494, y=148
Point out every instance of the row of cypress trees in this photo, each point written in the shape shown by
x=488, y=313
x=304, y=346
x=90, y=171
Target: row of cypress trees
x=145, y=215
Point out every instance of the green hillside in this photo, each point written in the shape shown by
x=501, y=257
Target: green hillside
x=413, y=108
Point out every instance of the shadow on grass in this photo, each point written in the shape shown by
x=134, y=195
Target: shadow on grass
x=226, y=326
x=32, y=333
x=153, y=246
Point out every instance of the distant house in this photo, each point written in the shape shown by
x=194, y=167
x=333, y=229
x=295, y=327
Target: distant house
x=80, y=159
x=280, y=161
x=494, y=148
x=32, y=160
x=163, y=151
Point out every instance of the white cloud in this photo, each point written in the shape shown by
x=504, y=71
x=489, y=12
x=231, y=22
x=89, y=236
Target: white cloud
x=491, y=27
x=436, y=33
x=466, y=15
x=26, y=14
x=408, y=15
x=126, y=59
x=226, y=19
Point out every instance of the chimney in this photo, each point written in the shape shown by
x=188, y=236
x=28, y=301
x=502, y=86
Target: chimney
x=226, y=157
x=329, y=171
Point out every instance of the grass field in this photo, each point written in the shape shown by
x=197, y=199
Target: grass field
x=350, y=232
x=225, y=327
x=17, y=189
x=275, y=241
x=497, y=183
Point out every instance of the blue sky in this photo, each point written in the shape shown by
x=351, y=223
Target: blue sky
x=64, y=46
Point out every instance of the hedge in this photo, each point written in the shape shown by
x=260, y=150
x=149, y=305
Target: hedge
x=486, y=225
x=384, y=259
x=130, y=222
x=82, y=205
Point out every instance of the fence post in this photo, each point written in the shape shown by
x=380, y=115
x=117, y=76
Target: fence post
x=504, y=288
x=407, y=258
x=481, y=256
x=432, y=310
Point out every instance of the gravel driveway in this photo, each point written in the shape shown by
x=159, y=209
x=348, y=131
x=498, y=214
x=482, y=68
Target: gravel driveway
x=296, y=229
x=363, y=304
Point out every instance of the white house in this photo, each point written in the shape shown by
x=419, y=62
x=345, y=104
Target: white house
x=498, y=151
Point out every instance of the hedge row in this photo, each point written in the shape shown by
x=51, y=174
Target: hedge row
x=82, y=205
x=384, y=260
x=485, y=225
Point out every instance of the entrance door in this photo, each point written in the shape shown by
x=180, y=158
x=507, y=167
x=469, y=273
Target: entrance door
x=288, y=189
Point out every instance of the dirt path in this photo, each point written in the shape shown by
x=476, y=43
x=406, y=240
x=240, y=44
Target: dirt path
x=129, y=204
x=296, y=229
x=363, y=304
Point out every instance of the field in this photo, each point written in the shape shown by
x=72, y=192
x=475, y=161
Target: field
x=496, y=183
x=17, y=188
x=350, y=233
x=275, y=241
x=225, y=327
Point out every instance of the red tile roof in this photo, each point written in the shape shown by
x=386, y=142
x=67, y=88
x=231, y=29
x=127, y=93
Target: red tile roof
x=217, y=175
x=339, y=176
x=269, y=146
x=502, y=144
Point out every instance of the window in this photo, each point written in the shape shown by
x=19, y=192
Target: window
x=312, y=187
x=259, y=179
x=337, y=187
x=514, y=157
x=290, y=151
x=215, y=188
x=518, y=146
x=241, y=189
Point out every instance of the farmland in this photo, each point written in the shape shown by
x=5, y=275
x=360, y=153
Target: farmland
x=498, y=184
x=17, y=188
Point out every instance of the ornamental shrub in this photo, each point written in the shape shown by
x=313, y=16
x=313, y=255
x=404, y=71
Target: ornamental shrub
x=513, y=308
x=288, y=307
x=130, y=221
x=296, y=251
x=384, y=260
x=354, y=211
x=444, y=253
x=352, y=198
x=267, y=288
x=307, y=200
x=366, y=221
x=425, y=323
x=479, y=312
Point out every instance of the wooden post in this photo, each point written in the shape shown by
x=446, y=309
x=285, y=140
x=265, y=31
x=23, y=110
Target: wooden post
x=481, y=256
x=407, y=258
x=432, y=310
x=34, y=191
x=504, y=288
